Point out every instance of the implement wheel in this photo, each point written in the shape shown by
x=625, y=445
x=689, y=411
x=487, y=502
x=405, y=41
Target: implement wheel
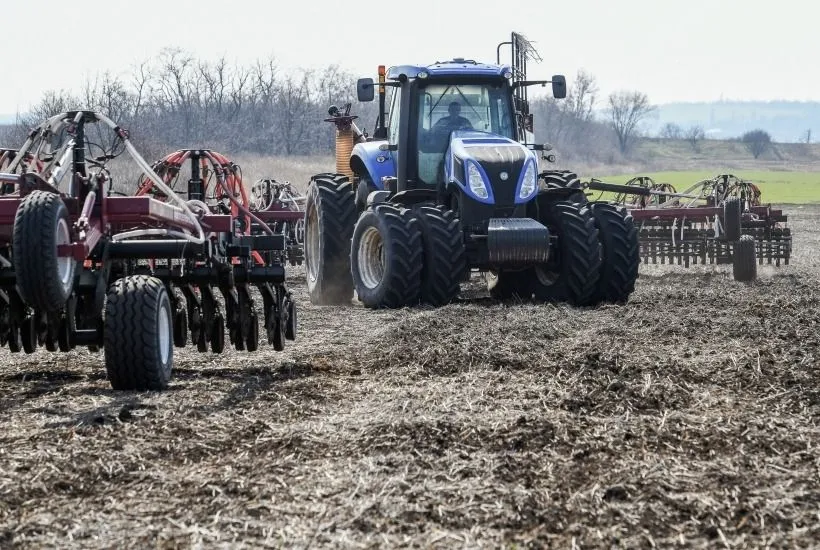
x=744, y=262
x=139, y=347
x=44, y=278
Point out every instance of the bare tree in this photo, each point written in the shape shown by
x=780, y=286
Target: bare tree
x=671, y=130
x=694, y=135
x=807, y=136
x=626, y=111
x=582, y=96
x=757, y=142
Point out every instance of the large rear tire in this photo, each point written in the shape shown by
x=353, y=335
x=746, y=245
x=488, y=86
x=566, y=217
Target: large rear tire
x=572, y=273
x=139, y=346
x=444, y=255
x=41, y=224
x=620, y=253
x=386, y=257
x=330, y=214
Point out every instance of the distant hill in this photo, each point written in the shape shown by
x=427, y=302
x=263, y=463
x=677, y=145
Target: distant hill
x=786, y=121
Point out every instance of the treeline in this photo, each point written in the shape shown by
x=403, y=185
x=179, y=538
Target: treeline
x=177, y=100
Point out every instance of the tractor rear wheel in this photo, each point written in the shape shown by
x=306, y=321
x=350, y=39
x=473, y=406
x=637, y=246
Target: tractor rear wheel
x=386, y=257
x=573, y=271
x=330, y=214
x=45, y=278
x=444, y=254
x=563, y=179
x=744, y=262
x=620, y=253
x=139, y=346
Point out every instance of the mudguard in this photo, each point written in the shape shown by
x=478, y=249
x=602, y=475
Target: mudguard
x=368, y=160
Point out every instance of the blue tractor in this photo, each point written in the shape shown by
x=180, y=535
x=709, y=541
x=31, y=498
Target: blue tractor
x=449, y=184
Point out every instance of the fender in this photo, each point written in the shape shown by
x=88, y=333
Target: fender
x=369, y=161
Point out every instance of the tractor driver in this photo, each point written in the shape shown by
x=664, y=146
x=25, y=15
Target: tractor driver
x=454, y=121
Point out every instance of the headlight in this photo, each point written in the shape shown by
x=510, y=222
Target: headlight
x=476, y=182
x=528, y=182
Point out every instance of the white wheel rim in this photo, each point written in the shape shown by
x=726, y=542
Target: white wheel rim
x=164, y=334
x=312, y=244
x=64, y=263
x=371, y=258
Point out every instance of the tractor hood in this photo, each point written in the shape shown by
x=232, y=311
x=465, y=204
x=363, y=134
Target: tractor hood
x=490, y=168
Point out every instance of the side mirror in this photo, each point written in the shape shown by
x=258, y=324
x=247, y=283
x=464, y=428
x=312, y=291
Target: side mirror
x=559, y=86
x=528, y=122
x=365, y=90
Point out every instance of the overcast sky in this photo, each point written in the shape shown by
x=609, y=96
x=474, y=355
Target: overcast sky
x=683, y=51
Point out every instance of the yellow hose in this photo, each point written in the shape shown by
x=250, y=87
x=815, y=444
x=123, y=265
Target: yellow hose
x=344, y=147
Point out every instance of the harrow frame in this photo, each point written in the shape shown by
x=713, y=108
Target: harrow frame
x=195, y=251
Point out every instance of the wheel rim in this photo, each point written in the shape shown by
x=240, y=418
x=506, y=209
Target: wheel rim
x=371, y=258
x=64, y=263
x=164, y=334
x=312, y=243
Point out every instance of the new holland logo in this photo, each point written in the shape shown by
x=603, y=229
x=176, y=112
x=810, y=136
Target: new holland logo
x=504, y=176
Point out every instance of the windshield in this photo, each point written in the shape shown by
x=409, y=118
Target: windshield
x=444, y=108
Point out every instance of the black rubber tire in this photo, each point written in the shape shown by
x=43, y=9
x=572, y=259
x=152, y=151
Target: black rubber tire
x=573, y=272
x=218, y=334
x=278, y=340
x=292, y=324
x=34, y=241
x=444, y=254
x=732, y=215
x=138, y=356
x=744, y=260
x=28, y=335
x=563, y=179
x=620, y=253
x=181, y=328
x=15, y=341
x=394, y=232
x=252, y=341
x=510, y=285
x=330, y=215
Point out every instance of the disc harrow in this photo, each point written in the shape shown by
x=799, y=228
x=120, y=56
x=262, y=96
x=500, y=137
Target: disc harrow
x=134, y=274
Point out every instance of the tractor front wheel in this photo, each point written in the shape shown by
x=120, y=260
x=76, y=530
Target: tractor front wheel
x=444, y=254
x=573, y=271
x=620, y=253
x=386, y=257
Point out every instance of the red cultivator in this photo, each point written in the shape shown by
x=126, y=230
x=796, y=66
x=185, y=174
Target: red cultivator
x=715, y=221
x=151, y=263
